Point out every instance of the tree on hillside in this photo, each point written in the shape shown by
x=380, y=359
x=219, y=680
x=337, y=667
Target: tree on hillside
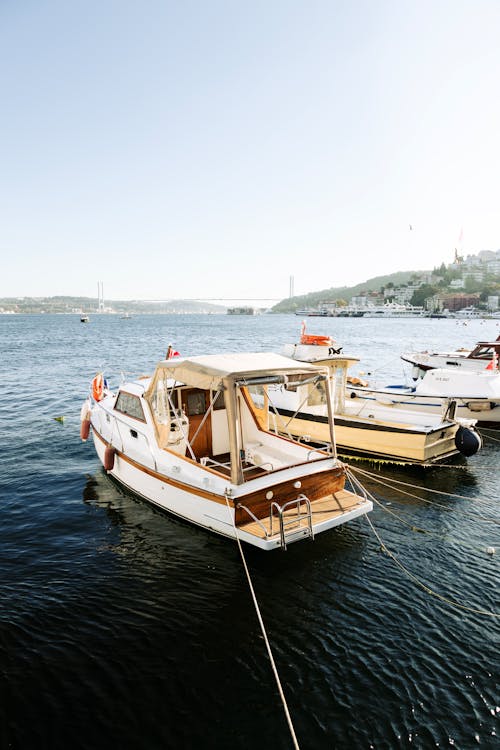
x=423, y=293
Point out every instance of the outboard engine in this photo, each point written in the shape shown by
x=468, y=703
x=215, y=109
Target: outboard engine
x=467, y=441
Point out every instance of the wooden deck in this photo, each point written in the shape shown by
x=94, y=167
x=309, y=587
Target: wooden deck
x=322, y=509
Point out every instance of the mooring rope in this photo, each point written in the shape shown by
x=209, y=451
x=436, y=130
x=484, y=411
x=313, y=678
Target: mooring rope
x=264, y=634
x=412, y=576
x=387, y=483
x=413, y=527
x=424, y=586
x=489, y=437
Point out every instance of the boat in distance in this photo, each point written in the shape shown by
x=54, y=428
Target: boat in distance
x=194, y=440
x=374, y=431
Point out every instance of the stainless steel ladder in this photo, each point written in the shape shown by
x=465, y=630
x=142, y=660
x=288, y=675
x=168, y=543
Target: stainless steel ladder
x=291, y=525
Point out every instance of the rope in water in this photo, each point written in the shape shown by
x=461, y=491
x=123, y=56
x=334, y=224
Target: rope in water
x=264, y=634
x=417, y=529
x=387, y=483
x=424, y=586
x=489, y=437
x=412, y=576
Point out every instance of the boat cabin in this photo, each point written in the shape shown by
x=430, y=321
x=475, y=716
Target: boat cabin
x=214, y=410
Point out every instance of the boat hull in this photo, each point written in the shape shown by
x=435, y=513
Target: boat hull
x=380, y=441
x=214, y=512
x=482, y=410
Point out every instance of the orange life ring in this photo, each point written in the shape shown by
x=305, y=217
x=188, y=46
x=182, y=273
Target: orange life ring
x=305, y=338
x=317, y=340
x=98, y=387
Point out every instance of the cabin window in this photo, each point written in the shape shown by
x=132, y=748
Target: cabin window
x=316, y=395
x=130, y=405
x=195, y=403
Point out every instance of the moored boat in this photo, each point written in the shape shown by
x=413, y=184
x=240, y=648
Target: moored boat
x=481, y=357
x=374, y=430
x=194, y=440
x=477, y=394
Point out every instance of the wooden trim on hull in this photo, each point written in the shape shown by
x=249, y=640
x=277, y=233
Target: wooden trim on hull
x=314, y=486
x=166, y=479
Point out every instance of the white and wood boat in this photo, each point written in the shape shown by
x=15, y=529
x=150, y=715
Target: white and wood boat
x=484, y=355
x=364, y=429
x=194, y=440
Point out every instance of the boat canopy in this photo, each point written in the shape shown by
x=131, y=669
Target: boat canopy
x=220, y=371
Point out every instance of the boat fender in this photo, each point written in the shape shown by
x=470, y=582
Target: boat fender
x=85, y=415
x=98, y=387
x=353, y=394
x=467, y=441
x=109, y=458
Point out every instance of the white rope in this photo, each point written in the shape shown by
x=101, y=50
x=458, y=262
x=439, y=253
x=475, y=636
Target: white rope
x=388, y=480
x=264, y=634
x=488, y=437
x=412, y=526
x=427, y=589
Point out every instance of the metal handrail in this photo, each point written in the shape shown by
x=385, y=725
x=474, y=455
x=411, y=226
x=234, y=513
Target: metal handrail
x=257, y=520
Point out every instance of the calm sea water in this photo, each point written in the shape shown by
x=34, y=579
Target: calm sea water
x=121, y=627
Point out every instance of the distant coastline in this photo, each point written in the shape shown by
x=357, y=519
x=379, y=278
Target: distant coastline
x=89, y=306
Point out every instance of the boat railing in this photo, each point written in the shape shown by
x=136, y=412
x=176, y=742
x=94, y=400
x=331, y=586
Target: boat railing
x=289, y=524
x=254, y=518
x=118, y=420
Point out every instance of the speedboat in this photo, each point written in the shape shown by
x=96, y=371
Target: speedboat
x=477, y=394
x=194, y=439
x=481, y=357
x=371, y=429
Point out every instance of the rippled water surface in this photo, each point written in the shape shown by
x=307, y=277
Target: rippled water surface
x=121, y=627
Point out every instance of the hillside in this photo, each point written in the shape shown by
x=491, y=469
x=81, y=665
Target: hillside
x=67, y=304
x=313, y=299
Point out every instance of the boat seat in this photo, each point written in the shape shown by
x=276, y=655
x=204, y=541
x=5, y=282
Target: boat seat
x=265, y=457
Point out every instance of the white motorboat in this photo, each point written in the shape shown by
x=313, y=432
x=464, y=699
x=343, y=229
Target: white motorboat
x=481, y=357
x=368, y=429
x=194, y=440
x=477, y=394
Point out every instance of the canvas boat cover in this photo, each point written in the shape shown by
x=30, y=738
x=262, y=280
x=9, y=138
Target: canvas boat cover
x=216, y=371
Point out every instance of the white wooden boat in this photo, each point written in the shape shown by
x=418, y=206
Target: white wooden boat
x=483, y=356
x=371, y=429
x=194, y=440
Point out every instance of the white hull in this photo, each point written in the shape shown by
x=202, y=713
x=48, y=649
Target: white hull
x=466, y=360
x=452, y=361
x=480, y=409
x=213, y=514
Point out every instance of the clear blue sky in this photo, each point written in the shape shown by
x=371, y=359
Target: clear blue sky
x=197, y=149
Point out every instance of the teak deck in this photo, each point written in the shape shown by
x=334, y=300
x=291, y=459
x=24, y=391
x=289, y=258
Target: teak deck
x=322, y=510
